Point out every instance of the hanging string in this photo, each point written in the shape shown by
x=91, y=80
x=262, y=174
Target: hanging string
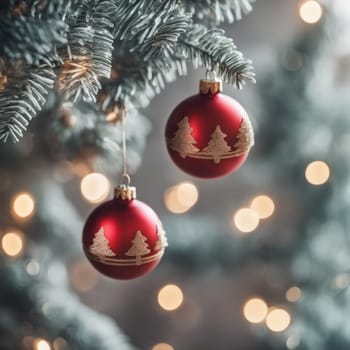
x=125, y=174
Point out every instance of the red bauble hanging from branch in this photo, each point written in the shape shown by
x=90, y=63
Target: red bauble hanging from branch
x=209, y=135
x=124, y=238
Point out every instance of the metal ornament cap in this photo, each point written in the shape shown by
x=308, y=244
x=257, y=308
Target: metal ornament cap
x=208, y=86
x=125, y=192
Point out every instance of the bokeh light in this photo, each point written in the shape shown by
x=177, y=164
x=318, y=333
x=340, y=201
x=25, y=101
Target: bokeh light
x=170, y=297
x=246, y=220
x=60, y=344
x=187, y=193
x=263, y=205
x=277, y=320
x=162, y=346
x=317, y=173
x=310, y=11
x=23, y=205
x=12, y=243
x=41, y=344
x=83, y=276
x=181, y=198
x=293, y=294
x=255, y=310
x=95, y=187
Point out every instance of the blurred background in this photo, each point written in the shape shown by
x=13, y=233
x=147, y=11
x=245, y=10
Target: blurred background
x=256, y=260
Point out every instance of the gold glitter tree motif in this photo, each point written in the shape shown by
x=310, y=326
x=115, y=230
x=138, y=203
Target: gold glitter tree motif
x=139, y=247
x=217, y=146
x=100, y=245
x=183, y=141
x=244, y=138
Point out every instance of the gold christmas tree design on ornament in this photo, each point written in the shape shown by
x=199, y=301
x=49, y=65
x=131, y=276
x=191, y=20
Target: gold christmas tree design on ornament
x=100, y=250
x=217, y=145
x=162, y=241
x=183, y=140
x=217, y=148
x=100, y=245
x=244, y=139
x=139, y=247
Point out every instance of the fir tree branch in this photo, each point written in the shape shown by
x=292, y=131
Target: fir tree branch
x=89, y=53
x=134, y=18
x=22, y=98
x=143, y=74
x=141, y=81
x=149, y=28
x=218, y=11
x=211, y=49
x=30, y=34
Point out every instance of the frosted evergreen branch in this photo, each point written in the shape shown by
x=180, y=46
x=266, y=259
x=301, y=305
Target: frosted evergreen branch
x=165, y=37
x=211, y=49
x=89, y=53
x=168, y=22
x=31, y=35
x=22, y=98
x=142, y=81
x=218, y=11
x=134, y=18
x=64, y=315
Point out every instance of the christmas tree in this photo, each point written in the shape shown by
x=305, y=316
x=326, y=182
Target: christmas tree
x=244, y=139
x=100, y=245
x=139, y=247
x=183, y=141
x=74, y=65
x=217, y=145
x=67, y=68
x=313, y=117
x=299, y=298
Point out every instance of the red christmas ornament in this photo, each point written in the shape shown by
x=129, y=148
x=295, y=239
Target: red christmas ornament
x=209, y=135
x=124, y=238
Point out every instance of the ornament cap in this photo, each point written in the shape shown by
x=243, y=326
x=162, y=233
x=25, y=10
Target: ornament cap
x=125, y=192
x=207, y=86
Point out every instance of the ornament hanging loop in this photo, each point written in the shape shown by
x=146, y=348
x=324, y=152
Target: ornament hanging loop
x=124, y=180
x=125, y=176
x=211, y=84
x=210, y=74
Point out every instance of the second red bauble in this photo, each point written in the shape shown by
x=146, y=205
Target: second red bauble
x=124, y=238
x=209, y=135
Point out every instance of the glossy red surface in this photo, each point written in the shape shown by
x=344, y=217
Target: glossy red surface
x=204, y=113
x=121, y=219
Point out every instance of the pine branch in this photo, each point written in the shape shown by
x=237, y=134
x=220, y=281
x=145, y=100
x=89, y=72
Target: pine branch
x=29, y=33
x=21, y=99
x=143, y=74
x=209, y=48
x=134, y=18
x=168, y=22
x=89, y=53
x=218, y=11
x=141, y=81
x=163, y=40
